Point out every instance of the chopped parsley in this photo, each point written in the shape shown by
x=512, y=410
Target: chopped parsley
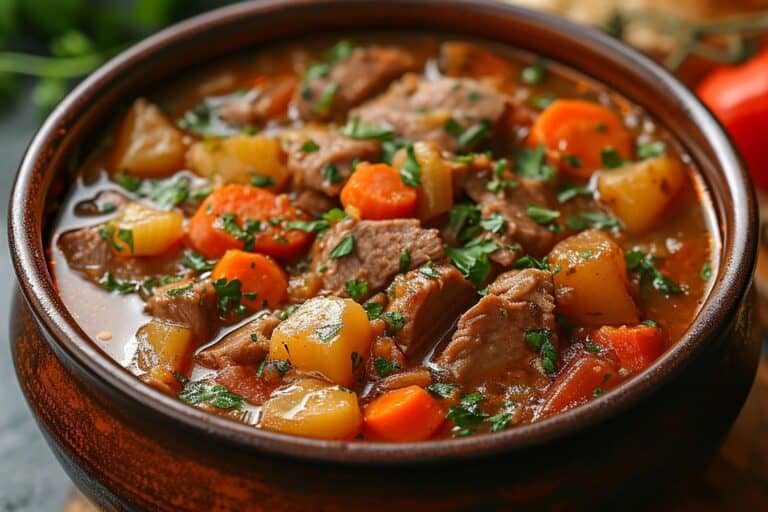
x=529, y=261
x=428, y=269
x=442, y=390
x=229, y=296
x=177, y=292
x=499, y=422
x=540, y=341
x=126, y=236
x=597, y=220
x=354, y=130
x=357, y=288
x=343, y=248
x=228, y=223
x=498, y=182
x=170, y=194
x=453, y=127
x=645, y=266
x=328, y=332
x=706, y=271
x=467, y=416
x=474, y=134
x=308, y=226
x=543, y=216
x=464, y=219
x=309, y=146
x=542, y=102
x=572, y=160
x=197, y=392
x=650, y=149
x=340, y=51
x=566, y=194
x=404, y=263
x=128, y=182
x=262, y=181
x=530, y=163
x=107, y=233
x=200, y=119
x=610, y=158
x=373, y=309
x=334, y=214
x=331, y=174
x=410, y=173
x=494, y=224
x=394, y=321
x=384, y=367
x=536, y=73
x=113, y=285
x=472, y=259
x=323, y=105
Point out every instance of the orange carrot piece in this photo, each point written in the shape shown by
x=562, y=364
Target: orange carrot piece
x=575, y=132
x=377, y=192
x=258, y=224
x=581, y=380
x=405, y=414
x=637, y=346
x=263, y=282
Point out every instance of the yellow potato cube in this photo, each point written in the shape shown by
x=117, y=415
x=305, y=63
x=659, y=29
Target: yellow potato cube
x=312, y=408
x=322, y=335
x=148, y=144
x=638, y=193
x=436, y=190
x=141, y=231
x=238, y=159
x=591, y=284
x=163, y=345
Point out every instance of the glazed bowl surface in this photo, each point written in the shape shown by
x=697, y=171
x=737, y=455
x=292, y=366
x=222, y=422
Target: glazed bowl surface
x=130, y=447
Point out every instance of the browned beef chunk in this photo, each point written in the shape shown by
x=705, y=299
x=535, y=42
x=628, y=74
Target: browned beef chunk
x=313, y=203
x=402, y=379
x=488, y=349
x=418, y=109
x=189, y=303
x=375, y=250
x=461, y=58
x=512, y=204
x=311, y=168
x=248, y=344
x=366, y=72
x=261, y=103
x=87, y=252
x=429, y=305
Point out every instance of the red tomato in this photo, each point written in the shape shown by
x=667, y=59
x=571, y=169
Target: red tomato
x=738, y=96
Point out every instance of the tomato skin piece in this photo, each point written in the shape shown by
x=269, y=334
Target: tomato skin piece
x=208, y=238
x=738, y=96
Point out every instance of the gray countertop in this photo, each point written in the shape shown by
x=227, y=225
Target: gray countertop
x=31, y=479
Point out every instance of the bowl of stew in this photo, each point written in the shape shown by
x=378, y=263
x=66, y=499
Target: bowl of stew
x=418, y=255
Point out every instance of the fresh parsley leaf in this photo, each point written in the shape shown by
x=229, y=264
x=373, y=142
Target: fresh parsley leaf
x=228, y=222
x=229, y=294
x=706, y=271
x=569, y=193
x=530, y=164
x=645, y=266
x=410, y=173
x=113, y=285
x=326, y=333
x=308, y=226
x=542, y=216
x=650, y=149
x=343, y=248
x=107, y=233
x=529, y=261
x=499, y=422
x=464, y=219
x=169, y=194
x=126, y=235
x=177, y=292
x=331, y=174
x=323, y=105
x=598, y=220
x=474, y=134
x=543, y=101
x=128, y=182
x=333, y=215
x=394, y=321
x=373, y=309
x=610, y=158
x=572, y=160
x=354, y=130
x=200, y=119
x=442, y=390
x=309, y=146
x=534, y=74
x=384, y=367
x=340, y=51
x=404, y=263
x=540, y=340
x=472, y=260
x=494, y=224
x=262, y=181
x=453, y=127
x=467, y=416
x=197, y=392
x=428, y=269
x=357, y=288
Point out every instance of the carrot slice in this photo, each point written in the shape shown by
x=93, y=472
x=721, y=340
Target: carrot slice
x=405, y=414
x=263, y=282
x=576, y=132
x=245, y=217
x=377, y=192
x=636, y=346
x=583, y=379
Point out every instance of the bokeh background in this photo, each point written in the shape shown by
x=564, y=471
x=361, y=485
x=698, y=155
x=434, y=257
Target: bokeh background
x=47, y=46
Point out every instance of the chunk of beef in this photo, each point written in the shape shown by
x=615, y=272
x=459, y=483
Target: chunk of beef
x=414, y=377
x=429, y=306
x=88, y=253
x=244, y=380
x=488, y=349
x=418, y=109
x=364, y=73
x=313, y=203
x=334, y=149
x=267, y=100
x=512, y=204
x=375, y=254
x=189, y=303
x=459, y=58
x=248, y=344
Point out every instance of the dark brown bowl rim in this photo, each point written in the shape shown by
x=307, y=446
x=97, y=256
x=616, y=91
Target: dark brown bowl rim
x=29, y=259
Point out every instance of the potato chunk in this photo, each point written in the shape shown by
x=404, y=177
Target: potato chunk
x=239, y=159
x=141, y=231
x=322, y=335
x=312, y=408
x=148, y=144
x=436, y=190
x=163, y=345
x=591, y=286
x=638, y=193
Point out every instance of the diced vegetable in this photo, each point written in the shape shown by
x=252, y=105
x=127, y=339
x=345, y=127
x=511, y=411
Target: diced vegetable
x=148, y=144
x=591, y=283
x=312, y=408
x=164, y=345
x=405, y=414
x=263, y=282
x=241, y=159
x=637, y=346
x=141, y=231
x=247, y=218
x=584, y=378
x=436, y=180
x=321, y=335
x=579, y=134
x=639, y=193
x=375, y=191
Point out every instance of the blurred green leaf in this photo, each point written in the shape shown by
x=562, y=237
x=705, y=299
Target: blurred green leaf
x=154, y=14
x=72, y=43
x=48, y=93
x=9, y=85
x=9, y=18
x=52, y=17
